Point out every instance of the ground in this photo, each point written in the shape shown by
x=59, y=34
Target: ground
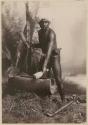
x=26, y=107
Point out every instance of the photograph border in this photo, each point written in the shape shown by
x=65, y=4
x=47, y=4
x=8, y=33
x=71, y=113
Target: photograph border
x=86, y=5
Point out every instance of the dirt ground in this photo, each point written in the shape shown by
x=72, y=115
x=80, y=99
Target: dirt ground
x=26, y=107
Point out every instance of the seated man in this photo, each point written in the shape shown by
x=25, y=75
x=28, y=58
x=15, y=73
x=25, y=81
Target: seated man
x=47, y=42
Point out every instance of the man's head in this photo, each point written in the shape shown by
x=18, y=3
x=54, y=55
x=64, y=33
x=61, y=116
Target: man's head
x=44, y=23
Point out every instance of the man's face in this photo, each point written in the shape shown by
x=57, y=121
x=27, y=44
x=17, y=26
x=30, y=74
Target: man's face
x=44, y=25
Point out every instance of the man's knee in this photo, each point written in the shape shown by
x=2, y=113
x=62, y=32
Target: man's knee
x=56, y=66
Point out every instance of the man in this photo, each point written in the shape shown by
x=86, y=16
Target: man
x=47, y=42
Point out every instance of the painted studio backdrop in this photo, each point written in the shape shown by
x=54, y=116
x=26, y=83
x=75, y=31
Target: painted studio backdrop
x=68, y=21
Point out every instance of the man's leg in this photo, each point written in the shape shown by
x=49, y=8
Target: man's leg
x=57, y=74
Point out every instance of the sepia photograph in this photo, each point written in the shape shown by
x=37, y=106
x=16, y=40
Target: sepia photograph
x=44, y=61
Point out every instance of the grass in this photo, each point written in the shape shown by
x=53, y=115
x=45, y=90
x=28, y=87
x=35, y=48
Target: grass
x=26, y=107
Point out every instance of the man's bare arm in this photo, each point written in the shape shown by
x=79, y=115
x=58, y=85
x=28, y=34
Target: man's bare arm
x=50, y=47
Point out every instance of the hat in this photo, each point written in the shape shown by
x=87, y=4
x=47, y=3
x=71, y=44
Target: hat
x=44, y=20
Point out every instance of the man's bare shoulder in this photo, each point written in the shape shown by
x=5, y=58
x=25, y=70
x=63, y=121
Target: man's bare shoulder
x=52, y=33
x=39, y=31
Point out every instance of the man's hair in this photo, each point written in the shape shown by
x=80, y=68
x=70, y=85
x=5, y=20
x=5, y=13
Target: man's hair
x=44, y=20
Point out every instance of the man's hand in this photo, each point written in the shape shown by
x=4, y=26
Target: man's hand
x=44, y=69
x=27, y=45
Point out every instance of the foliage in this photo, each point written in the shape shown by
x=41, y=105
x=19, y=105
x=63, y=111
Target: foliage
x=13, y=23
